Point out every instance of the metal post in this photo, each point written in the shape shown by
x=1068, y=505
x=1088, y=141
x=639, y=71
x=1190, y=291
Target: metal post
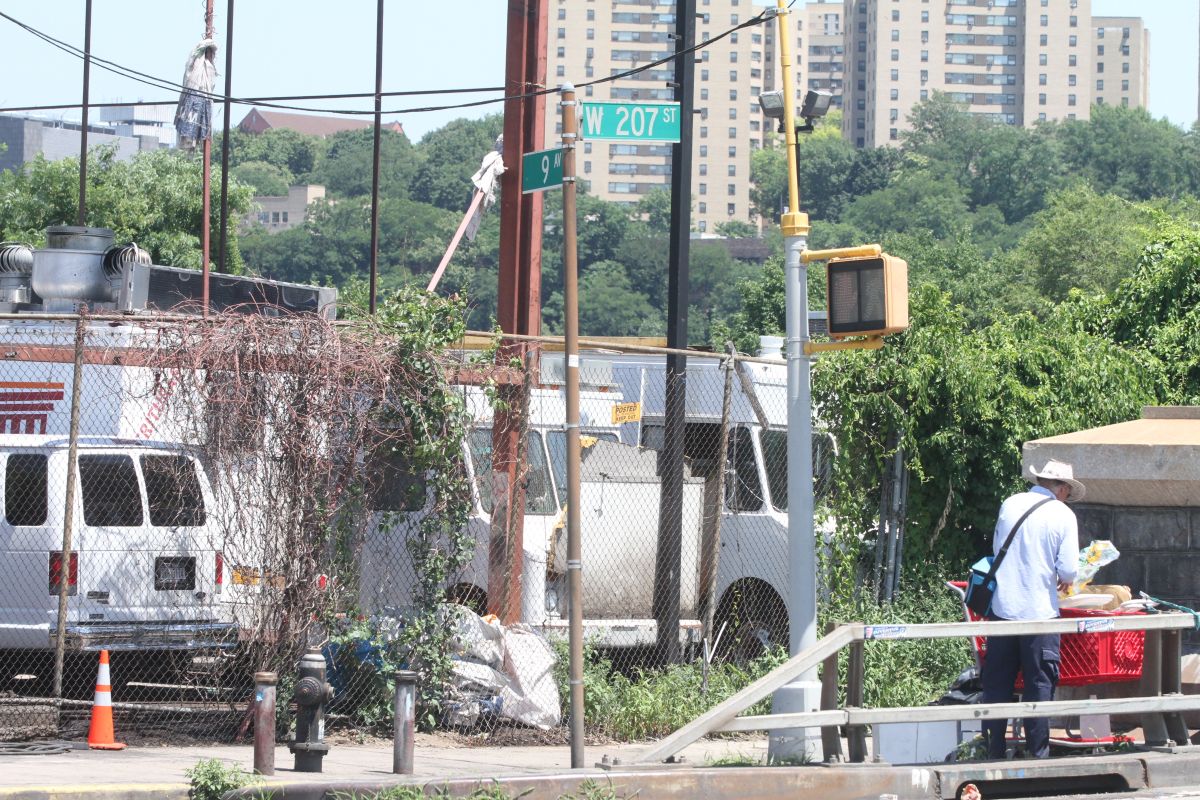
x=375, y=154
x=225, y=140
x=1154, y=727
x=831, y=742
x=668, y=557
x=711, y=545
x=856, y=736
x=404, y=722
x=1172, y=683
x=64, y=574
x=206, y=182
x=264, y=722
x=571, y=353
x=81, y=219
x=802, y=694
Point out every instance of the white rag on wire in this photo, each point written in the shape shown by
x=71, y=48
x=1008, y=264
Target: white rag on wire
x=486, y=179
x=193, y=115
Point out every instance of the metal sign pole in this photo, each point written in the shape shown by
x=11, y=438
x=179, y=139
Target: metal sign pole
x=571, y=353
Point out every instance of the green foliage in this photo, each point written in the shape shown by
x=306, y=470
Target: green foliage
x=153, y=199
x=210, y=779
x=449, y=157
x=262, y=177
x=293, y=153
x=736, y=229
x=346, y=168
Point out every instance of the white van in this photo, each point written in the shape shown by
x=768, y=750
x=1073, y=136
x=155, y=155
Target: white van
x=143, y=573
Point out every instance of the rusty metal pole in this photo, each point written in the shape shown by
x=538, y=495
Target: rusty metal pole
x=404, y=722
x=518, y=304
x=206, y=179
x=81, y=218
x=710, y=549
x=571, y=353
x=221, y=246
x=264, y=722
x=375, y=156
x=64, y=571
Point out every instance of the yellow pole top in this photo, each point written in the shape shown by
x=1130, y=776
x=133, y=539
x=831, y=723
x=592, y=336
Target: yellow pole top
x=793, y=222
x=862, y=251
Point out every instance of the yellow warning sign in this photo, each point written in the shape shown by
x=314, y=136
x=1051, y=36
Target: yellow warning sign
x=626, y=412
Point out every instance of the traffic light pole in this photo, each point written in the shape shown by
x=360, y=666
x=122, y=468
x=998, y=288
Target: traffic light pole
x=803, y=694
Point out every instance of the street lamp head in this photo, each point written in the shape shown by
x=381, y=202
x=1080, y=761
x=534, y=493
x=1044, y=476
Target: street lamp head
x=772, y=103
x=816, y=104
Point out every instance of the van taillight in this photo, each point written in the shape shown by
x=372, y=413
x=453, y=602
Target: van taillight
x=220, y=571
x=56, y=572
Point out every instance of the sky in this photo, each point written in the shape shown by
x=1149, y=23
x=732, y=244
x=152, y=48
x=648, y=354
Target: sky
x=311, y=47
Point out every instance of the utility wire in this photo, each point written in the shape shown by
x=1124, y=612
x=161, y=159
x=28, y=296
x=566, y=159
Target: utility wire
x=162, y=83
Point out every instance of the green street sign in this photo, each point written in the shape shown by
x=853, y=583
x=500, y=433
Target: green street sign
x=541, y=170
x=631, y=122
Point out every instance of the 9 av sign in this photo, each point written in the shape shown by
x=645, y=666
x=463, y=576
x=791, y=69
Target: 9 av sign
x=631, y=122
x=541, y=170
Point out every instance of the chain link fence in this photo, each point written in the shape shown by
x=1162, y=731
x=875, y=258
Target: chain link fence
x=237, y=500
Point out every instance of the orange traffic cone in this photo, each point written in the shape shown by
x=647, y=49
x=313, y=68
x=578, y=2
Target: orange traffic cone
x=100, y=734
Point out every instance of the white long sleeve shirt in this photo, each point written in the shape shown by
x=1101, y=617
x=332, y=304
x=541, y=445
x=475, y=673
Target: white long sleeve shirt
x=1045, y=549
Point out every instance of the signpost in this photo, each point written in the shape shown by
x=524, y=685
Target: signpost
x=631, y=122
x=541, y=170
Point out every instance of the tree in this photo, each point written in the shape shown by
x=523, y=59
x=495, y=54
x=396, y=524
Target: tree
x=283, y=148
x=450, y=155
x=1127, y=152
x=736, y=229
x=262, y=177
x=346, y=167
x=153, y=199
x=608, y=305
x=654, y=208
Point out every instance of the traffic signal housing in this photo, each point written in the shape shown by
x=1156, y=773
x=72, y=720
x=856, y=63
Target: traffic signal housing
x=867, y=295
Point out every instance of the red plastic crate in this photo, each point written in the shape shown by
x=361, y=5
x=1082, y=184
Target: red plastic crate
x=1086, y=658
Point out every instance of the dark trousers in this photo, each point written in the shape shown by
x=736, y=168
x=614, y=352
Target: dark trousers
x=1036, y=658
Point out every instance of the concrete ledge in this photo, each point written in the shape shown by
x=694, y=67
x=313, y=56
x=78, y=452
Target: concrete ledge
x=111, y=791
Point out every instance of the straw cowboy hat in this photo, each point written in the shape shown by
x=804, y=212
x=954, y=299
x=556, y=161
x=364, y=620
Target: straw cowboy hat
x=1057, y=471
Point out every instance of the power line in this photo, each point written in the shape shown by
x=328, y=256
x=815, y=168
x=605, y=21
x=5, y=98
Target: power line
x=269, y=102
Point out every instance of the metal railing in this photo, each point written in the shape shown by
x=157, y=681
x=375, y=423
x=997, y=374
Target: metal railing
x=1161, y=705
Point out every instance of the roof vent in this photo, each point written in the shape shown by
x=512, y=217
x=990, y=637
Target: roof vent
x=16, y=266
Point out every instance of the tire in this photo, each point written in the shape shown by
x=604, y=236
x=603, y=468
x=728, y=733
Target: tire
x=752, y=619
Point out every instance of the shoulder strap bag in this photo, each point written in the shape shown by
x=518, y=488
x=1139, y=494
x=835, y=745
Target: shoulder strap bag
x=981, y=586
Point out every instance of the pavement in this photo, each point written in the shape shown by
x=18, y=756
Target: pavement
x=144, y=772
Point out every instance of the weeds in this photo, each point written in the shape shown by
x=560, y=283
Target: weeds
x=735, y=760
x=210, y=780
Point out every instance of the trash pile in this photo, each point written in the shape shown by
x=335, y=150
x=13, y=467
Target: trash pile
x=500, y=671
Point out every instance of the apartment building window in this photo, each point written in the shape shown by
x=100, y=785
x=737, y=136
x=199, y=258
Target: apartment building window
x=733, y=38
x=1072, y=40
x=731, y=209
x=704, y=93
x=591, y=34
x=731, y=189
x=1041, y=99
x=1045, y=21
x=591, y=15
x=1041, y=116
x=1099, y=66
x=1045, y=3
x=862, y=46
x=1074, y=21
x=703, y=112
x=1125, y=68
x=703, y=188
x=1100, y=85
x=588, y=91
x=561, y=52
x=733, y=76
x=704, y=151
x=1044, y=40
x=1042, y=79
x=704, y=55
x=895, y=35
x=1125, y=86
x=893, y=134
x=924, y=76
x=587, y=166
x=703, y=131
x=1042, y=59
x=703, y=169
x=924, y=37
x=562, y=33
x=1099, y=49
x=733, y=170
x=703, y=74
x=733, y=56
x=893, y=115
x=895, y=75
x=895, y=15
x=895, y=94
x=589, y=71
x=1125, y=102
x=591, y=52
x=733, y=94
x=733, y=113
x=1100, y=33
x=895, y=55
x=754, y=126
x=733, y=151
x=1070, y=99
x=560, y=71
x=703, y=209
x=924, y=94
x=924, y=55
x=1099, y=101
x=861, y=103
x=562, y=13
x=733, y=19
x=925, y=16
x=1071, y=80
x=733, y=133
x=587, y=148
x=1124, y=49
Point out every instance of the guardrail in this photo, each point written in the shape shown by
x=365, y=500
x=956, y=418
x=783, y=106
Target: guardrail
x=1161, y=706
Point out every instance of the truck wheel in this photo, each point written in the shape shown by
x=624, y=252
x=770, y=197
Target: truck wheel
x=755, y=621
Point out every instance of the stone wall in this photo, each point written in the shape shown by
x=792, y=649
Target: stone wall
x=1160, y=550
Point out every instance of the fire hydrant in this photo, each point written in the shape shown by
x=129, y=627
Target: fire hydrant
x=311, y=695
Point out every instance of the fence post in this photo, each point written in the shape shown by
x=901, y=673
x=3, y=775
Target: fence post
x=404, y=722
x=1172, y=683
x=831, y=742
x=711, y=539
x=1154, y=727
x=264, y=722
x=856, y=736
x=64, y=570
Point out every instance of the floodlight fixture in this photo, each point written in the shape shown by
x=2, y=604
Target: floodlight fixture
x=816, y=104
x=772, y=106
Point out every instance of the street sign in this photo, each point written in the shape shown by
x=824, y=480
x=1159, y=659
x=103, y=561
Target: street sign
x=541, y=170
x=631, y=122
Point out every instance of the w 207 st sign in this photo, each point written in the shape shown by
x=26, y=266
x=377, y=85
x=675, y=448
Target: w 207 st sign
x=630, y=122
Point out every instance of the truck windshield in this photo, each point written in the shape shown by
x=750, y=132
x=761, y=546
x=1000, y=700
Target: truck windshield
x=556, y=441
x=539, y=496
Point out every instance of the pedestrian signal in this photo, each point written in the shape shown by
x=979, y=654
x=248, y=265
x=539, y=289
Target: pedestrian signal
x=867, y=296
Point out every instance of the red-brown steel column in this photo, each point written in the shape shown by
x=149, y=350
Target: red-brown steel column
x=519, y=301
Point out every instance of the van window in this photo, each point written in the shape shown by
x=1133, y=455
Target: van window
x=774, y=445
x=744, y=491
x=396, y=487
x=109, y=487
x=539, y=499
x=701, y=448
x=556, y=443
x=173, y=491
x=25, y=489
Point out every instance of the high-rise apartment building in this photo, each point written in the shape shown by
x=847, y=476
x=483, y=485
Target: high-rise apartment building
x=592, y=39
x=1122, y=58
x=820, y=52
x=1017, y=61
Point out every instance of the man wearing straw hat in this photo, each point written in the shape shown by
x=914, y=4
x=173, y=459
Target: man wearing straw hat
x=1041, y=561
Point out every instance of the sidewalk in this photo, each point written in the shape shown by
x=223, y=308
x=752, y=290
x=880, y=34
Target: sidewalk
x=144, y=772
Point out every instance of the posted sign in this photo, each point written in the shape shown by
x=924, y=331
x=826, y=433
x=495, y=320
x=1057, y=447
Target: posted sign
x=630, y=122
x=626, y=412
